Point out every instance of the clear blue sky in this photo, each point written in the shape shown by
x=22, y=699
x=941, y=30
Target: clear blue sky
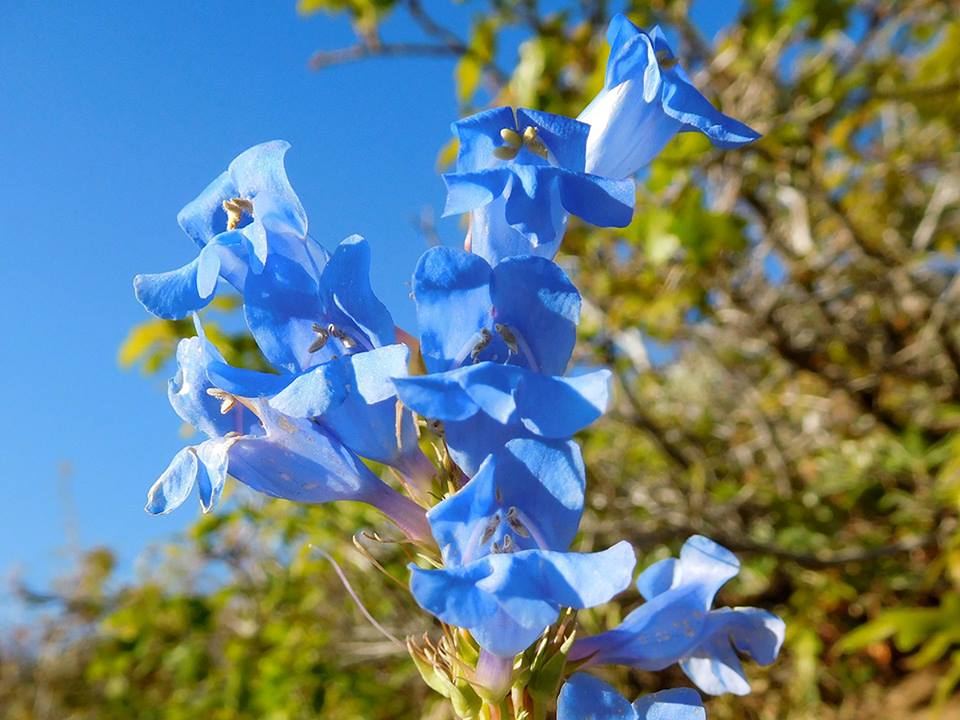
x=112, y=116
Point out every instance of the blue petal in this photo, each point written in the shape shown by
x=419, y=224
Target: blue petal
x=368, y=376
x=245, y=383
x=507, y=600
x=472, y=440
x=349, y=298
x=657, y=579
x=452, y=291
x=298, y=461
x=534, y=297
x=494, y=239
x=673, y=704
x=715, y=667
x=533, y=203
x=656, y=635
x=632, y=57
x=436, y=397
x=598, y=200
x=707, y=564
x=626, y=131
x=174, y=485
x=212, y=471
x=479, y=134
x=259, y=175
x=522, y=403
x=543, y=482
x=685, y=104
x=565, y=138
x=558, y=407
x=672, y=623
x=355, y=399
x=281, y=305
x=175, y=294
x=466, y=191
x=584, y=697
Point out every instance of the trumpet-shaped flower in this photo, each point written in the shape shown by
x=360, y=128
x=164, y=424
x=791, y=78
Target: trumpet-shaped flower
x=676, y=624
x=497, y=340
x=584, y=697
x=272, y=453
x=646, y=99
x=504, y=538
x=519, y=175
x=248, y=211
x=333, y=342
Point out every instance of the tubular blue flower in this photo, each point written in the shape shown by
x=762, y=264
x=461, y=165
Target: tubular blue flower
x=584, y=697
x=503, y=539
x=246, y=212
x=520, y=175
x=676, y=624
x=646, y=99
x=496, y=340
x=272, y=453
x=334, y=344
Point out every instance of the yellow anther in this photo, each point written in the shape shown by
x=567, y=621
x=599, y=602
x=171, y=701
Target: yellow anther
x=511, y=138
x=235, y=208
x=529, y=134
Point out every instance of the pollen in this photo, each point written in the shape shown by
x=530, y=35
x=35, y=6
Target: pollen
x=235, y=208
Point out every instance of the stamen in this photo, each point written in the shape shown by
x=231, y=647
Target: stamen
x=516, y=524
x=508, y=337
x=517, y=344
x=485, y=338
x=473, y=347
x=235, y=208
x=348, y=342
x=227, y=401
x=492, y=525
x=511, y=138
x=665, y=60
x=508, y=546
x=514, y=143
x=322, y=337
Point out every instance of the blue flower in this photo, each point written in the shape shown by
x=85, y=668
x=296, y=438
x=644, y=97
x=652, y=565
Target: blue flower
x=250, y=210
x=504, y=538
x=519, y=176
x=334, y=344
x=496, y=341
x=584, y=697
x=676, y=624
x=272, y=453
x=646, y=99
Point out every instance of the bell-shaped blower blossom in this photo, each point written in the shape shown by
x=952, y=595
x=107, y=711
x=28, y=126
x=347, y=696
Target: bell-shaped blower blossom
x=520, y=176
x=247, y=213
x=646, y=99
x=278, y=455
x=676, y=624
x=504, y=541
x=497, y=341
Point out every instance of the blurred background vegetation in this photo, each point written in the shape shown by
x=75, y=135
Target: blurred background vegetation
x=783, y=323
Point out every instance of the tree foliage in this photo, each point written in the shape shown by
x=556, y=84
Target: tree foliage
x=783, y=324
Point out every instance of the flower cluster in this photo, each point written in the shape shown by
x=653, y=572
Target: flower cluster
x=487, y=380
